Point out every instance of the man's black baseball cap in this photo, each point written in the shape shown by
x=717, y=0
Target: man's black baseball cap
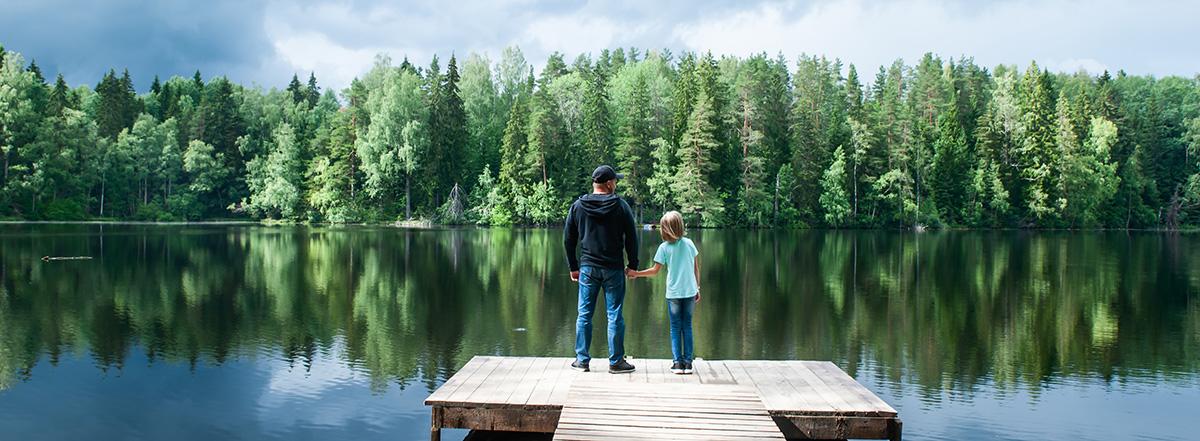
x=605, y=173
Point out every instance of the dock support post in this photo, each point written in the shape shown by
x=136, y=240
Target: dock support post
x=435, y=426
x=895, y=426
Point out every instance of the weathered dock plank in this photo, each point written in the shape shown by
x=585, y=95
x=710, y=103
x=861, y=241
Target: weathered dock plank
x=729, y=399
x=630, y=411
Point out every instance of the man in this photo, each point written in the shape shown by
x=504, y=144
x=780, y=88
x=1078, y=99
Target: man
x=601, y=225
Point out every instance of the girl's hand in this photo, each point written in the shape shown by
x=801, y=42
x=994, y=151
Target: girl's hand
x=697, y=296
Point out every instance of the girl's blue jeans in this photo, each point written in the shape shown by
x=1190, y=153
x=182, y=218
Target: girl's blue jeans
x=679, y=311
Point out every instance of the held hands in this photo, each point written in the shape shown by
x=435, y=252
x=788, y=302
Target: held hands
x=629, y=273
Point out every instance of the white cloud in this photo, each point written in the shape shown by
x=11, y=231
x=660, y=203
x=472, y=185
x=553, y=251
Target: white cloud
x=339, y=40
x=572, y=34
x=266, y=41
x=1088, y=65
x=313, y=52
x=1142, y=37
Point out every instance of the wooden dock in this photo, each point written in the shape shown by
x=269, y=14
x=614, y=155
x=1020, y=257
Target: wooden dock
x=721, y=400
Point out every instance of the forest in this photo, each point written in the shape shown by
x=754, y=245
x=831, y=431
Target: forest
x=759, y=141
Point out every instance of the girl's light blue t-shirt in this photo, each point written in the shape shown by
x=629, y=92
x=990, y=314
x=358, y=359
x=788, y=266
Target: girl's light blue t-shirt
x=680, y=260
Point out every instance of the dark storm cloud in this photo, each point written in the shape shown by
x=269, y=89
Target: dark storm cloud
x=82, y=40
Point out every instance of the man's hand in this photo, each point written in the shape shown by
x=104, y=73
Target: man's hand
x=574, y=276
x=697, y=296
x=631, y=273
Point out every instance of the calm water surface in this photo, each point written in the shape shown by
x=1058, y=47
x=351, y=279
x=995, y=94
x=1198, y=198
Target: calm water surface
x=252, y=332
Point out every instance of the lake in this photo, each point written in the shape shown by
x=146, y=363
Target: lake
x=198, y=332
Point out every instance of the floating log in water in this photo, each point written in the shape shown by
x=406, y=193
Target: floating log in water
x=49, y=258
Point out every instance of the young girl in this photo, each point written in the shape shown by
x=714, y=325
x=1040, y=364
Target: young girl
x=682, y=260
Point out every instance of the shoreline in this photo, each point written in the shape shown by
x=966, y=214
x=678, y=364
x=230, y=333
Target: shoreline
x=427, y=225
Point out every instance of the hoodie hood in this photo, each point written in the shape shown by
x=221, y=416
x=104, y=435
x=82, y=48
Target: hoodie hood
x=600, y=205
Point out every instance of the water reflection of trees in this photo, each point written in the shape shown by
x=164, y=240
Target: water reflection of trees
x=944, y=311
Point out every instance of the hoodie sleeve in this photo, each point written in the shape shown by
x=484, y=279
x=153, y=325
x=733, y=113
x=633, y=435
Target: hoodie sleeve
x=631, y=237
x=571, y=239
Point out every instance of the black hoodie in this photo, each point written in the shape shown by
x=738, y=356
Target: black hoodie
x=601, y=225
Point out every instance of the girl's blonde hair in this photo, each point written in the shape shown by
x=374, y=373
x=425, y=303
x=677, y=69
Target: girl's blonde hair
x=670, y=227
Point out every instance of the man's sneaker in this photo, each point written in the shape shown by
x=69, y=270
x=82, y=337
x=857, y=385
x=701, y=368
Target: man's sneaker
x=580, y=366
x=622, y=367
x=687, y=368
x=677, y=368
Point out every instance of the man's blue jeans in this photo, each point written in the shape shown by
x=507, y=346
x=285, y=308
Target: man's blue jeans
x=591, y=280
x=679, y=311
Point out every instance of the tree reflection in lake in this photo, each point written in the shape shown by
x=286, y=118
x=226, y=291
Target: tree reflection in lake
x=973, y=314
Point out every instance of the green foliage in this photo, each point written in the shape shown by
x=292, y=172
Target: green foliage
x=698, y=201
x=397, y=142
x=659, y=184
x=950, y=177
x=727, y=141
x=834, y=201
x=485, y=114
x=542, y=207
x=785, y=187
x=276, y=180
x=1036, y=152
x=64, y=210
x=1089, y=178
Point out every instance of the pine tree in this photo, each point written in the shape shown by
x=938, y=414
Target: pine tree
x=891, y=194
x=854, y=94
x=312, y=93
x=835, y=203
x=331, y=175
x=485, y=117
x=997, y=137
x=549, y=140
x=61, y=98
x=752, y=197
x=950, y=174
x=37, y=72
x=1089, y=178
x=864, y=165
x=1037, y=145
x=659, y=183
x=453, y=128
x=484, y=199
x=633, y=148
x=514, y=166
x=694, y=193
x=555, y=67
x=514, y=149
x=597, y=137
x=220, y=126
x=818, y=124
x=786, y=213
x=684, y=96
x=113, y=113
x=296, y=90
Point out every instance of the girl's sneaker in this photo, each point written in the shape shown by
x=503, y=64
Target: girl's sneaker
x=677, y=368
x=687, y=368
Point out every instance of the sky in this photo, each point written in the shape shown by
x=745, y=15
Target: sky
x=265, y=42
